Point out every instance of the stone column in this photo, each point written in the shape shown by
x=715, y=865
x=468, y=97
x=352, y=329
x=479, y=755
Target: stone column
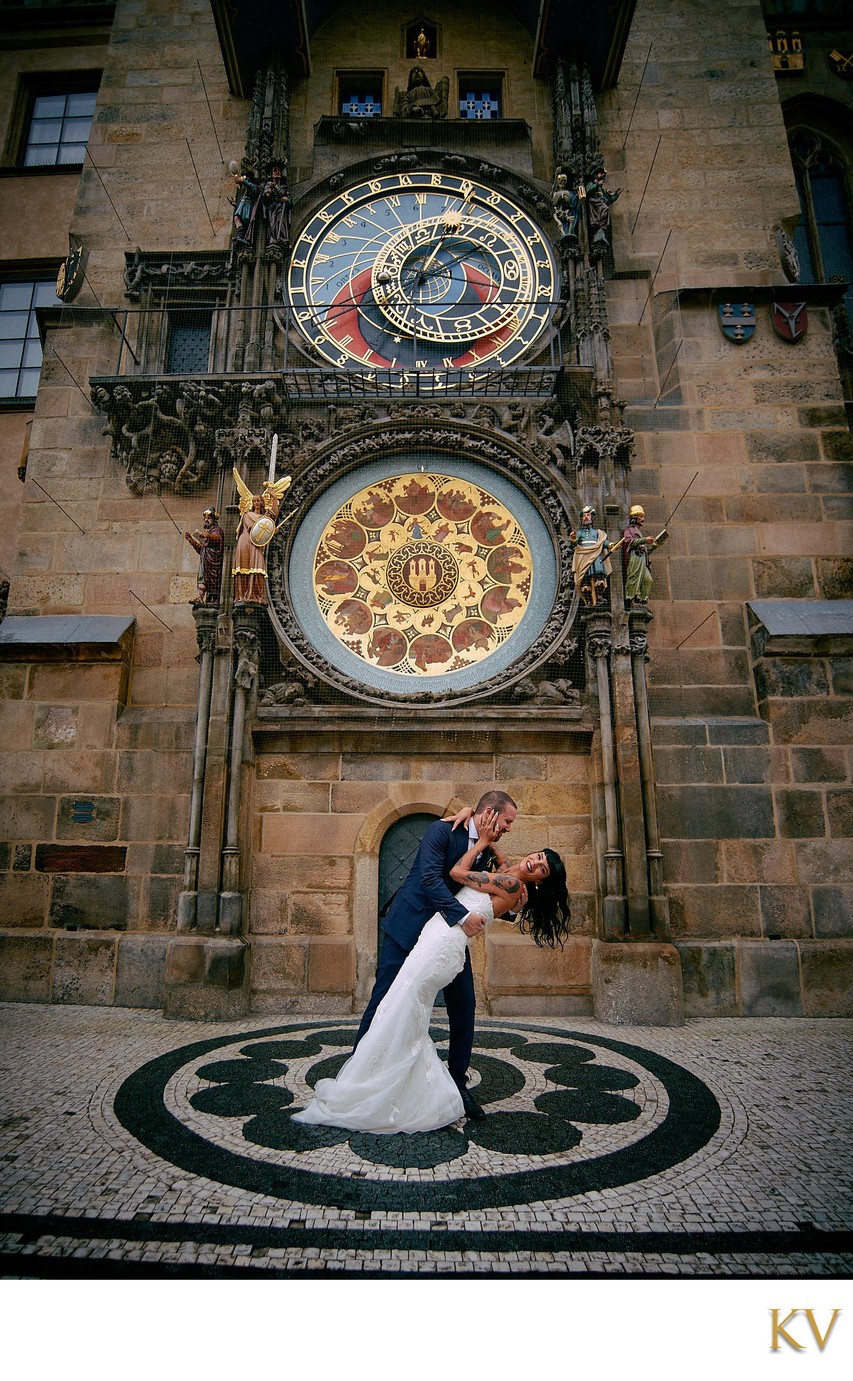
x=599, y=643
x=246, y=625
x=205, y=620
x=638, y=621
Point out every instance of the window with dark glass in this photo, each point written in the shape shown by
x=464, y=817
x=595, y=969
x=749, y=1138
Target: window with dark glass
x=188, y=344
x=20, y=345
x=480, y=95
x=823, y=238
x=58, y=128
x=360, y=93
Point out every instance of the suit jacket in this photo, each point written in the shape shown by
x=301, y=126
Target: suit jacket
x=429, y=887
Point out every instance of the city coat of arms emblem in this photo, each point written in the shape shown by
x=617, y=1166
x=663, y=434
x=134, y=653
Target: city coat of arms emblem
x=737, y=320
x=790, y=320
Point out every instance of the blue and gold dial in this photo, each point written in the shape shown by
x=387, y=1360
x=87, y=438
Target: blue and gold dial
x=425, y=272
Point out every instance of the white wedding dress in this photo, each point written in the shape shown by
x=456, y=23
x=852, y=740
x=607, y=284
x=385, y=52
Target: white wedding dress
x=394, y=1080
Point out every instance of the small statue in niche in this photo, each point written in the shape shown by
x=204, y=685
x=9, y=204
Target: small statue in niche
x=566, y=204
x=420, y=100
x=255, y=531
x=275, y=207
x=210, y=545
x=422, y=44
x=591, y=566
x=599, y=202
x=245, y=205
x=636, y=547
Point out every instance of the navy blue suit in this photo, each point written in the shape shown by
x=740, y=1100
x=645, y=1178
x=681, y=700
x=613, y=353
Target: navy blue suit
x=428, y=889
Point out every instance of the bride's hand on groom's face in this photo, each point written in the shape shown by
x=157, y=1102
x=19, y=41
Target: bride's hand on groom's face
x=489, y=827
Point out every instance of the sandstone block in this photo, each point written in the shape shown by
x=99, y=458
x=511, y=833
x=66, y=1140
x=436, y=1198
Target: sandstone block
x=24, y=900
x=88, y=817
x=816, y=722
x=140, y=971
x=84, y=970
x=769, y=979
x=827, y=970
x=839, y=809
x=714, y=911
x=26, y=962
x=331, y=965
x=716, y=812
x=818, y=764
x=800, y=814
x=708, y=974
x=785, y=912
x=279, y=965
x=825, y=861
x=309, y=834
x=320, y=913
x=90, y=902
x=637, y=984
x=515, y=964
x=55, y=726
x=27, y=817
x=833, y=912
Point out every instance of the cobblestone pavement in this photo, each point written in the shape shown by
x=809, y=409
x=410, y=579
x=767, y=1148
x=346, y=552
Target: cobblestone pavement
x=133, y=1146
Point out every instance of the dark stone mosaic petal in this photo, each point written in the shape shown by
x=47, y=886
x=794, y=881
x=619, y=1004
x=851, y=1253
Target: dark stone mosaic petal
x=524, y=1134
x=326, y=1069
x=241, y=1071
x=588, y=1107
x=592, y=1077
x=553, y=1054
x=240, y=1100
x=282, y=1134
x=485, y=1040
x=498, y=1078
x=282, y=1050
x=410, y=1150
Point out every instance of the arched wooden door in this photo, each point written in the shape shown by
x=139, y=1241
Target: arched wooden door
x=396, y=856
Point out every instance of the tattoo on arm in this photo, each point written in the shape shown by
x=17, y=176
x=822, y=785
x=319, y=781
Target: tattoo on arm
x=506, y=882
x=478, y=879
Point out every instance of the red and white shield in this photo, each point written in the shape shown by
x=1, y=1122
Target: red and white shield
x=790, y=320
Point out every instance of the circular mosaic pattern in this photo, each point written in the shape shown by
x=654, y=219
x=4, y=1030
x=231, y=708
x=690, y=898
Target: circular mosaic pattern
x=568, y=1112
x=423, y=573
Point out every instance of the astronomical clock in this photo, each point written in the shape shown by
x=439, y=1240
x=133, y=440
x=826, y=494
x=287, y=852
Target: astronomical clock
x=429, y=557
x=421, y=272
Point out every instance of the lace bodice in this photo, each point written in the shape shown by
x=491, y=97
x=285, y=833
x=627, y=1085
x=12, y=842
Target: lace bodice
x=473, y=900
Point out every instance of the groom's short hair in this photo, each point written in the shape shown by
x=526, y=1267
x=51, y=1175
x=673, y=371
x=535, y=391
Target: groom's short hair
x=494, y=800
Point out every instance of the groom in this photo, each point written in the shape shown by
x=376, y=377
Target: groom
x=427, y=889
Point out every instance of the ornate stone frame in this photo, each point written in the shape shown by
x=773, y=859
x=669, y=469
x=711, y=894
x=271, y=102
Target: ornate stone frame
x=463, y=440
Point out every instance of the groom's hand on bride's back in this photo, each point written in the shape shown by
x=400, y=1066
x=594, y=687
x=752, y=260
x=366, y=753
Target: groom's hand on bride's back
x=473, y=925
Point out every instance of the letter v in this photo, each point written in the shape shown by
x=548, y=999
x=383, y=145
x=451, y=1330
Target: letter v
x=821, y=1341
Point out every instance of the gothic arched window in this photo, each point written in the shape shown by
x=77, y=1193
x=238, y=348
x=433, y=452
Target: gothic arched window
x=823, y=238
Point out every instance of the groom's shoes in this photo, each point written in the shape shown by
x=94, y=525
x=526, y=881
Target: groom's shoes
x=471, y=1106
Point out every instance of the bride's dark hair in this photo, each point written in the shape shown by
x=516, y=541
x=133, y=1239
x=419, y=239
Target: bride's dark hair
x=546, y=913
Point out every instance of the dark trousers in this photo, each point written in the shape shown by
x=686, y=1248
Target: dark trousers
x=458, y=996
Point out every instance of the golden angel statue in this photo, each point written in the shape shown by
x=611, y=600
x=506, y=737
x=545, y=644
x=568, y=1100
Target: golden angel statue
x=256, y=530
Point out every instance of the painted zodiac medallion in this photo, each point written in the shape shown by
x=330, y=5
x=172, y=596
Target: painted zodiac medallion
x=423, y=574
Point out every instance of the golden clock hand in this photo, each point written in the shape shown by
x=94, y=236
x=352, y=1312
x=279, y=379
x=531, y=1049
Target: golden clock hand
x=452, y=222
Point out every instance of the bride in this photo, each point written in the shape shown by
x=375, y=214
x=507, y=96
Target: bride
x=394, y=1080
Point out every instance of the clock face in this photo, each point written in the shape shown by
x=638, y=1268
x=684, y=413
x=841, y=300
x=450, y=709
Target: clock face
x=422, y=272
